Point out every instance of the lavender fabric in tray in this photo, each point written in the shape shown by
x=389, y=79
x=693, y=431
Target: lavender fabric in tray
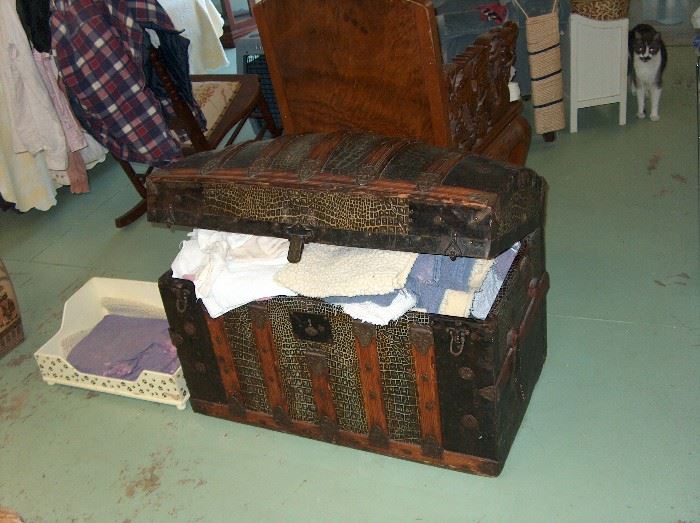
x=122, y=347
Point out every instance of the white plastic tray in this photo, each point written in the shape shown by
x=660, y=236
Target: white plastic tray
x=92, y=302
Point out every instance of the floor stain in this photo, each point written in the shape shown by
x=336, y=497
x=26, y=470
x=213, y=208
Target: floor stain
x=677, y=279
x=195, y=482
x=14, y=407
x=654, y=162
x=147, y=479
x=91, y=394
x=16, y=362
x=660, y=193
x=679, y=178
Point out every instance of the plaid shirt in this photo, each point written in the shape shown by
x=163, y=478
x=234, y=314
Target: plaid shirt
x=99, y=46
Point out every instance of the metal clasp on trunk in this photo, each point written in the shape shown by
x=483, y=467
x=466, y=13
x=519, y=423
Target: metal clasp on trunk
x=298, y=235
x=453, y=250
x=458, y=338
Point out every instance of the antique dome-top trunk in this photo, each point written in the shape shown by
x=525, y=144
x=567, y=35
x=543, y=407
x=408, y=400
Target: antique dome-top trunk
x=443, y=390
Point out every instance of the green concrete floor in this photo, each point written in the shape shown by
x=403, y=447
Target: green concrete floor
x=613, y=427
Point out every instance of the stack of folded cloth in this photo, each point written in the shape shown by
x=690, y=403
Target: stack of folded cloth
x=123, y=347
x=376, y=286
x=230, y=270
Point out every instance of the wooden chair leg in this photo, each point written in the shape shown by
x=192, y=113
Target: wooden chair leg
x=131, y=215
x=237, y=130
x=136, y=180
x=267, y=117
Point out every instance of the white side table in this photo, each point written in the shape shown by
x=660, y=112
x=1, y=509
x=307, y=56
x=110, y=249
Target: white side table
x=598, y=65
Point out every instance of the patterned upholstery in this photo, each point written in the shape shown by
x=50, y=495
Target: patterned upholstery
x=214, y=98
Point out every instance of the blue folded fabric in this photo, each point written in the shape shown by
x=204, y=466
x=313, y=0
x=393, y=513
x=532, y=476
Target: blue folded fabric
x=381, y=300
x=486, y=295
x=432, y=275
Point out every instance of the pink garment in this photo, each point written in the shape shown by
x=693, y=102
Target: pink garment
x=75, y=139
x=493, y=12
x=77, y=173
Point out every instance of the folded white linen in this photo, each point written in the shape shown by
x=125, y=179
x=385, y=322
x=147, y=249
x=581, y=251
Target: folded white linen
x=229, y=269
x=331, y=270
x=241, y=286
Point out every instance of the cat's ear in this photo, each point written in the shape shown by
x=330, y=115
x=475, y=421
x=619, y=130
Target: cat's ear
x=657, y=37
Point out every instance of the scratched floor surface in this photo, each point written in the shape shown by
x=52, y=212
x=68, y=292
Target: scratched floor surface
x=611, y=434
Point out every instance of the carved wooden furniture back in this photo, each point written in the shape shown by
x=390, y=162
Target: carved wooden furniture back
x=376, y=65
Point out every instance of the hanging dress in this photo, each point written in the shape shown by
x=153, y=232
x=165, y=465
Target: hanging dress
x=31, y=137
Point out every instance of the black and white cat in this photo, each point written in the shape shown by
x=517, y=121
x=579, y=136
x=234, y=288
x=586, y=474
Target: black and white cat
x=647, y=61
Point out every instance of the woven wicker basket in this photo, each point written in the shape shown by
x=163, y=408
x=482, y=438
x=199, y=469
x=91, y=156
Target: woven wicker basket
x=601, y=9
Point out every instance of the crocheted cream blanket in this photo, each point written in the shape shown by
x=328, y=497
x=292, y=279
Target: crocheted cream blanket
x=331, y=270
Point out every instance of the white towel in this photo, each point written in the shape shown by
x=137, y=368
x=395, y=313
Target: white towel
x=331, y=270
x=230, y=270
x=371, y=312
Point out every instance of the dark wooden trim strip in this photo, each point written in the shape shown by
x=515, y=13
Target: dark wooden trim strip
x=435, y=86
x=322, y=394
x=274, y=147
x=262, y=12
x=423, y=349
x=371, y=383
x=316, y=160
x=227, y=365
x=376, y=161
x=396, y=449
x=264, y=341
x=467, y=197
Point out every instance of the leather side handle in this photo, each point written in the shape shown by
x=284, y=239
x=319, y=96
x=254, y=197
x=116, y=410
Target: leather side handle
x=536, y=291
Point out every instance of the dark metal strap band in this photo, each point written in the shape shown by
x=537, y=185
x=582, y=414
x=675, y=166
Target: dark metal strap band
x=546, y=76
x=532, y=53
x=541, y=106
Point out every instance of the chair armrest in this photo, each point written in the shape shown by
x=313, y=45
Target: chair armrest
x=477, y=85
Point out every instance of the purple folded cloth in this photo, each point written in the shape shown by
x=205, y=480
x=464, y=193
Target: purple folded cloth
x=122, y=347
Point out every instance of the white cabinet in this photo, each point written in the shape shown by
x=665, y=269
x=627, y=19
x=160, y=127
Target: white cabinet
x=598, y=65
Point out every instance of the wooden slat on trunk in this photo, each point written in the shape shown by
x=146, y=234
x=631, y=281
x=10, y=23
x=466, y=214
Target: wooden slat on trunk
x=423, y=349
x=262, y=332
x=322, y=394
x=370, y=382
x=227, y=364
